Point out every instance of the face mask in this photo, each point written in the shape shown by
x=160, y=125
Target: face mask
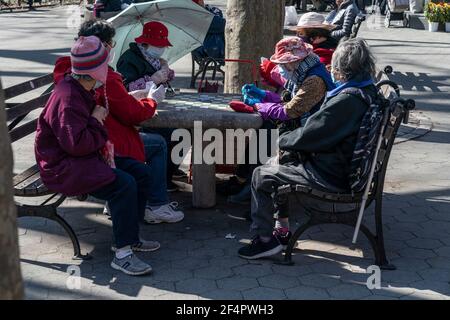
x=98, y=84
x=336, y=82
x=155, y=52
x=284, y=72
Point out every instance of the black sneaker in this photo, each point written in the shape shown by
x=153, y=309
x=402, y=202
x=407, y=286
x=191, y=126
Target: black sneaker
x=179, y=174
x=258, y=249
x=172, y=187
x=230, y=187
x=283, y=235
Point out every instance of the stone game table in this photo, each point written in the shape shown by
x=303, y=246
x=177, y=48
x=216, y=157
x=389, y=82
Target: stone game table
x=213, y=111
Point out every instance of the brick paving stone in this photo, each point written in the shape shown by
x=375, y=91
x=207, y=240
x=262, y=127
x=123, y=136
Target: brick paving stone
x=320, y=280
x=262, y=293
x=306, y=293
x=410, y=264
x=222, y=294
x=190, y=263
x=435, y=274
x=417, y=253
x=347, y=291
x=443, y=251
x=400, y=276
x=439, y=262
x=195, y=286
x=237, y=283
x=422, y=243
x=172, y=274
x=433, y=286
x=253, y=270
x=278, y=281
x=293, y=270
x=213, y=273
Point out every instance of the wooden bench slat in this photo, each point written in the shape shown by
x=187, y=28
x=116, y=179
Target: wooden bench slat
x=18, y=178
x=28, y=181
x=25, y=87
x=26, y=107
x=23, y=131
x=32, y=186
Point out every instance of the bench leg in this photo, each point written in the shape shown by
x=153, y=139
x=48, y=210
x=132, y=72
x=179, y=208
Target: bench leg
x=293, y=241
x=73, y=237
x=383, y=261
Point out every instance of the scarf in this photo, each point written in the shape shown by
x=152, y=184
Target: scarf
x=301, y=73
x=154, y=62
x=349, y=84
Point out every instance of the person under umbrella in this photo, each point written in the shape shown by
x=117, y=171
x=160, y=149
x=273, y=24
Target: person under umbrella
x=142, y=63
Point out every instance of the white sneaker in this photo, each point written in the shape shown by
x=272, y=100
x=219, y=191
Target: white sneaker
x=106, y=210
x=165, y=213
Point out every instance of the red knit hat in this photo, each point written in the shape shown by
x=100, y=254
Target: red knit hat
x=155, y=34
x=291, y=49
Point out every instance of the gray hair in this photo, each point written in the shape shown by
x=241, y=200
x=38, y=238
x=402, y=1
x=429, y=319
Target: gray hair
x=353, y=58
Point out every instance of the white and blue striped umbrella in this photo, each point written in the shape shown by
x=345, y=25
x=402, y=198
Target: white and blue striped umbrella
x=187, y=22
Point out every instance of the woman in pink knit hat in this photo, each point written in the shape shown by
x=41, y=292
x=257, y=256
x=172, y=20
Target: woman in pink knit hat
x=72, y=158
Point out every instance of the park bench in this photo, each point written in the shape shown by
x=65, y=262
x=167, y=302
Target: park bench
x=28, y=183
x=396, y=111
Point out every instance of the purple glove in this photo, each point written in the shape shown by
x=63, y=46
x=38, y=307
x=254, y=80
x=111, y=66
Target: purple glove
x=273, y=111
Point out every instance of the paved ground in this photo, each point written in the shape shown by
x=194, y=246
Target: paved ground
x=197, y=261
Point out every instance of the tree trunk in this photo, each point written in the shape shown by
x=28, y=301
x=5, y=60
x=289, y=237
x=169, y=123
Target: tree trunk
x=10, y=276
x=253, y=28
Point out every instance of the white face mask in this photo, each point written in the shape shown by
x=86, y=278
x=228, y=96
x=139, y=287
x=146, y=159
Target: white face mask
x=285, y=73
x=155, y=52
x=98, y=84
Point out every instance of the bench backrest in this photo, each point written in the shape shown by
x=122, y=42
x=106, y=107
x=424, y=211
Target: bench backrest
x=396, y=114
x=16, y=112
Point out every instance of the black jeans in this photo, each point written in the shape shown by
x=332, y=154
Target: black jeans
x=127, y=198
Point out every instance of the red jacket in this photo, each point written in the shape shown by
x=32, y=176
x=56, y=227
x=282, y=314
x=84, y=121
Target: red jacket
x=125, y=112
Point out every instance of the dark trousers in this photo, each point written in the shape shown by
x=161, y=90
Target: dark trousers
x=267, y=178
x=127, y=198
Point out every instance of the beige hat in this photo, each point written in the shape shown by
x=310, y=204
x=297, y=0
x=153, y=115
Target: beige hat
x=312, y=20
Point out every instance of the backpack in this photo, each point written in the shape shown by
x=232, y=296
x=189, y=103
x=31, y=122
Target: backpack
x=366, y=141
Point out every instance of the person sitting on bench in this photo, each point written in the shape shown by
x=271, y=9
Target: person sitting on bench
x=343, y=17
x=214, y=43
x=125, y=113
x=142, y=63
x=312, y=29
x=74, y=156
x=317, y=154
